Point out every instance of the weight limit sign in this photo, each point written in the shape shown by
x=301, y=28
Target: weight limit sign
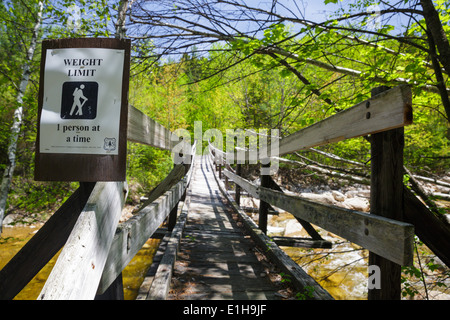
x=83, y=106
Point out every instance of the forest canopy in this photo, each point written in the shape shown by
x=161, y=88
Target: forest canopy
x=232, y=64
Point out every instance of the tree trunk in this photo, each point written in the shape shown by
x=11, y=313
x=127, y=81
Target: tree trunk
x=438, y=74
x=438, y=38
x=121, y=19
x=15, y=129
x=434, y=25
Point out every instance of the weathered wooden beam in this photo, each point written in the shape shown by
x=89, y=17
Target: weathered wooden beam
x=38, y=251
x=305, y=224
x=251, y=188
x=161, y=282
x=389, y=238
x=173, y=177
x=301, y=242
x=385, y=111
x=430, y=230
x=143, y=129
x=79, y=267
x=133, y=233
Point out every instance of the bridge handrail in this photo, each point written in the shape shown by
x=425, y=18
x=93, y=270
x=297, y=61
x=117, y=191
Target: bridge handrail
x=389, y=238
x=143, y=129
x=107, y=246
x=386, y=237
x=132, y=234
x=129, y=236
x=385, y=111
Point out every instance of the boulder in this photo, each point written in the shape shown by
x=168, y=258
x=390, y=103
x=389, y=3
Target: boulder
x=9, y=220
x=358, y=204
x=338, y=196
x=293, y=228
x=275, y=231
x=325, y=198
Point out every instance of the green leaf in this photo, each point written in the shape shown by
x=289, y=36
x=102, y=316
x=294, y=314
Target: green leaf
x=285, y=73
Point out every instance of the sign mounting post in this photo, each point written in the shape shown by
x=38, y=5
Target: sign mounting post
x=83, y=110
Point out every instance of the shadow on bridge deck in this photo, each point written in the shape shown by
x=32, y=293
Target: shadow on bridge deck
x=216, y=259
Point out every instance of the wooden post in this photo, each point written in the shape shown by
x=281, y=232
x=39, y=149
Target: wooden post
x=386, y=200
x=226, y=182
x=237, y=196
x=78, y=270
x=264, y=206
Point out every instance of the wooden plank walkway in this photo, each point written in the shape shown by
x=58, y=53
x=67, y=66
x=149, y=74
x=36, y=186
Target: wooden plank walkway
x=216, y=260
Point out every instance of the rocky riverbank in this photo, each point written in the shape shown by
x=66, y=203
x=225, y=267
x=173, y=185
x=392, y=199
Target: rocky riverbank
x=343, y=270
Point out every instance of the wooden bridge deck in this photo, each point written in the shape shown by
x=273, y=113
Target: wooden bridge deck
x=216, y=260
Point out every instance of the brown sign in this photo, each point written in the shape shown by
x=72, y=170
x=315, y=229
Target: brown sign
x=83, y=101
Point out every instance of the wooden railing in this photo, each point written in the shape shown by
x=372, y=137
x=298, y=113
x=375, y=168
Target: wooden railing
x=96, y=248
x=300, y=280
x=383, y=232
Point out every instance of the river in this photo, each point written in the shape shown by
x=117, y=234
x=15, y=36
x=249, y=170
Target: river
x=342, y=270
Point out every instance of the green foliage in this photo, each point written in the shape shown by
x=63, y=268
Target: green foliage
x=307, y=293
x=41, y=197
x=146, y=167
x=285, y=278
x=236, y=85
x=83, y=18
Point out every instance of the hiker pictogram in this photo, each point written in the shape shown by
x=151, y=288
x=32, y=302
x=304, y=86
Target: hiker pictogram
x=77, y=97
x=79, y=100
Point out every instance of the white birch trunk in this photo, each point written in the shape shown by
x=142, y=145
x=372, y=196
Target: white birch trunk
x=15, y=128
x=121, y=19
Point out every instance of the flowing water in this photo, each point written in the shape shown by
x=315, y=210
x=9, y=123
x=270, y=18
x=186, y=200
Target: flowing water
x=342, y=273
x=342, y=270
x=14, y=238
